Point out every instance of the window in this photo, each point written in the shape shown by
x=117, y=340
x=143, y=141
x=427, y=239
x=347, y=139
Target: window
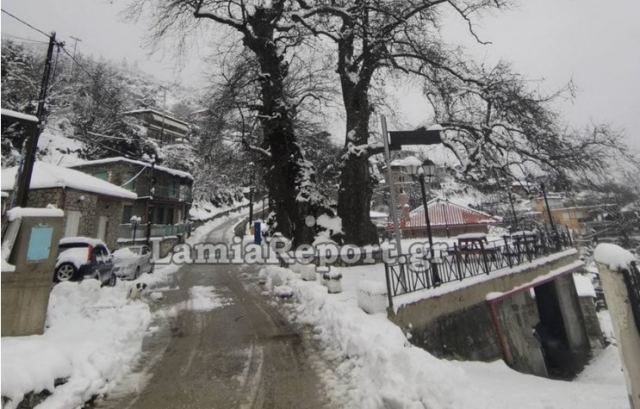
x=103, y=174
x=127, y=212
x=131, y=186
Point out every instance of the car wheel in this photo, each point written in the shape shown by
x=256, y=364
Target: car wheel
x=64, y=272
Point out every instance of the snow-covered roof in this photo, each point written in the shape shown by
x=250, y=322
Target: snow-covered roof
x=46, y=175
x=19, y=115
x=445, y=212
x=174, y=172
x=19, y=212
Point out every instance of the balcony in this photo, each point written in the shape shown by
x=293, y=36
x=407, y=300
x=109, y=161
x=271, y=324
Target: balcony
x=125, y=231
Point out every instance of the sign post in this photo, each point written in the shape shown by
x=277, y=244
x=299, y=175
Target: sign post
x=392, y=195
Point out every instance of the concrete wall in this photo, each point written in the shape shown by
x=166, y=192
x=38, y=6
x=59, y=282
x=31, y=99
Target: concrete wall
x=625, y=327
x=518, y=315
x=421, y=313
x=25, y=291
x=461, y=324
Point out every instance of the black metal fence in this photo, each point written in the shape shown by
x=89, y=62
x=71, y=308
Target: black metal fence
x=469, y=258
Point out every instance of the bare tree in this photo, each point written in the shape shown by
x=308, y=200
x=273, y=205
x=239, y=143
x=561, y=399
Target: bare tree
x=497, y=123
x=268, y=34
x=372, y=37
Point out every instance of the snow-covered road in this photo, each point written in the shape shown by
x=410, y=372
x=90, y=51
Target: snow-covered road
x=227, y=346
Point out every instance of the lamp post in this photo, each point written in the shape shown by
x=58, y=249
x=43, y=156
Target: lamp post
x=424, y=171
x=135, y=220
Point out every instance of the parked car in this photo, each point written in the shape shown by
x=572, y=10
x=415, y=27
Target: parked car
x=130, y=262
x=84, y=257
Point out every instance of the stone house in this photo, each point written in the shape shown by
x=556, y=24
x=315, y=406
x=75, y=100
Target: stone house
x=92, y=207
x=163, y=196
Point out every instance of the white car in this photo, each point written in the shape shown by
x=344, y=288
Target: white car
x=130, y=262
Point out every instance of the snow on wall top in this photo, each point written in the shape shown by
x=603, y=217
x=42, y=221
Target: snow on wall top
x=19, y=115
x=19, y=212
x=81, y=239
x=174, y=172
x=46, y=175
x=584, y=287
x=615, y=257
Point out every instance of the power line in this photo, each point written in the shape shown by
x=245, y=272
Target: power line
x=23, y=38
x=25, y=23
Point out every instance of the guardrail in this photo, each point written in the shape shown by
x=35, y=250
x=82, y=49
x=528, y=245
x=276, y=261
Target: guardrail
x=416, y=272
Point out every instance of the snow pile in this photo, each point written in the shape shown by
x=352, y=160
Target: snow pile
x=369, y=345
x=615, y=257
x=377, y=367
x=203, y=298
x=93, y=338
x=372, y=296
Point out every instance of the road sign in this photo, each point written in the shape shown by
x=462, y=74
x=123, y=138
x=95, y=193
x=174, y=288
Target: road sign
x=420, y=136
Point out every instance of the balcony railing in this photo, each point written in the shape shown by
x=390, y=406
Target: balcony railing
x=418, y=272
x=125, y=231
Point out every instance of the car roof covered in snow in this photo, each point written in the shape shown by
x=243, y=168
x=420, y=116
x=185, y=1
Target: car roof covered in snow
x=174, y=172
x=80, y=239
x=46, y=175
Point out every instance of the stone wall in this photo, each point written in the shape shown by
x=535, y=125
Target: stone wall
x=90, y=205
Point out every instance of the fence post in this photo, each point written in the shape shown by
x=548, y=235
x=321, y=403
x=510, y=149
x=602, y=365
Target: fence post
x=389, y=288
x=484, y=257
x=621, y=283
x=507, y=252
x=456, y=257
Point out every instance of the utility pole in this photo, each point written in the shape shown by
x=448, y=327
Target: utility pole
x=25, y=169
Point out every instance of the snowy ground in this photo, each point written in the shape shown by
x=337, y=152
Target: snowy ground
x=378, y=367
x=93, y=337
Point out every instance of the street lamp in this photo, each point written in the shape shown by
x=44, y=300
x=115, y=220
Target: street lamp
x=425, y=170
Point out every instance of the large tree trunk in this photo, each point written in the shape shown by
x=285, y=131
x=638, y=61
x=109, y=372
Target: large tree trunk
x=286, y=167
x=354, y=197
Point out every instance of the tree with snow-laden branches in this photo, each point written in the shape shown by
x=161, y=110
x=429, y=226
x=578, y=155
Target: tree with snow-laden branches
x=267, y=32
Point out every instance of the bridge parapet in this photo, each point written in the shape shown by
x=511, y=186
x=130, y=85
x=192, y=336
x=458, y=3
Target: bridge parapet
x=530, y=315
x=472, y=257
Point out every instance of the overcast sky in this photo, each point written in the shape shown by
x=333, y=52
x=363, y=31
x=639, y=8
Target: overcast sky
x=595, y=43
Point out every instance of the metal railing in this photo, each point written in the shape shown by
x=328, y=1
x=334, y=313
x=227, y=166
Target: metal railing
x=415, y=272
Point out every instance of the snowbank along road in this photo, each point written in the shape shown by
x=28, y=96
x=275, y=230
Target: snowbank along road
x=231, y=350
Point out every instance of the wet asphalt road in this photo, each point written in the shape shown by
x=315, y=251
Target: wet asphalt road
x=243, y=355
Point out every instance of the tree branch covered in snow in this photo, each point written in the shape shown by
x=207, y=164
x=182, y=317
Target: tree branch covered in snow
x=496, y=122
